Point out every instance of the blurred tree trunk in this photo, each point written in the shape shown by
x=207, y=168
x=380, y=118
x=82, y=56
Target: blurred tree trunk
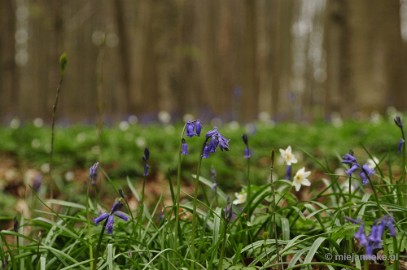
x=364, y=63
x=249, y=72
x=339, y=91
x=8, y=70
x=124, y=52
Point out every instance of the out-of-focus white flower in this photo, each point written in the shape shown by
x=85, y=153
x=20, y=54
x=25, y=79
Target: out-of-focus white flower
x=38, y=122
x=141, y=142
x=133, y=119
x=336, y=120
x=300, y=179
x=264, y=116
x=372, y=162
x=124, y=125
x=15, y=123
x=288, y=156
x=164, y=117
x=240, y=198
x=45, y=168
x=69, y=176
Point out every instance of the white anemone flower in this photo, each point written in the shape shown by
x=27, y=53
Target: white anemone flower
x=300, y=178
x=240, y=198
x=288, y=156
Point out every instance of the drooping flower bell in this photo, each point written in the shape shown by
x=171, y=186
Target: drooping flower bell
x=110, y=217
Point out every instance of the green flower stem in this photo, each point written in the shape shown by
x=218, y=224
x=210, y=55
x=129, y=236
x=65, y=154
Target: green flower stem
x=178, y=193
x=89, y=230
x=274, y=210
x=222, y=249
x=195, y=202
x=102, y=232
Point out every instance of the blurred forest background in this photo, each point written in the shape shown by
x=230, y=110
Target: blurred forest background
x=234, y=59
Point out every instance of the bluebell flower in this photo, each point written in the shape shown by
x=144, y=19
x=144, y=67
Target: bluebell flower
x=110, y=217
x=349, y=159
x=389, y=223
x=206, y=152
x=37, y=183
x=146, y=156
x=190, y=127
x=361, y=236
x=184, y=147
x=223, y=143
x=288, y=170
x=93, y=173
x=215, y=139
x=146, y=168
x=365, y=170
x=400, y=146
x=397, y=121
x=198, y=127
x=212, y=132
x=247, y=153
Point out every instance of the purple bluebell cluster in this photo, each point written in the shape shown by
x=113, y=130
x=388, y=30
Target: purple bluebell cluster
x=110, y=217
x=247, y=152
x=145, y=158
x=399, y=123
x=374, y=239
x=192, y=128
x=93, y=173
x=365, y=170
x=214, y=140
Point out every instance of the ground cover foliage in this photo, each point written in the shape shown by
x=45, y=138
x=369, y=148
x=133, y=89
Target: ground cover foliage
x=257, y=196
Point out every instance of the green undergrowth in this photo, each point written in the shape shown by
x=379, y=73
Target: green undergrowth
x=268, y=224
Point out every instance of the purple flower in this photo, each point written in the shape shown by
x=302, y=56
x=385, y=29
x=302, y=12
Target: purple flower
x=375, y=236
x=190, y=127
x=146, y=168
x=389, y=223
x=354, y=221
x=100, y=218
x=93, y=173
x=352, y=169
x=198, y=127
x=349, y=159
x=361, y=236
x=365, y=170
x=184, y=147
x=110, y=217
x=400, y=146
x=109, y=224
x=223, y=143
x=37, y=183
x=247, y=153
x=206, y=152
x=288, y=172
x=146, y=155
x=212, y=132
x=397, y=121
x=215, y=139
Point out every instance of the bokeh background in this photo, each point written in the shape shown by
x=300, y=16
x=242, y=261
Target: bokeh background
x=234, y=59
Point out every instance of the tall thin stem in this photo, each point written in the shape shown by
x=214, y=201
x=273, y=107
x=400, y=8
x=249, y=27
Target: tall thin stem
x=274, y=205
x=62, y=62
